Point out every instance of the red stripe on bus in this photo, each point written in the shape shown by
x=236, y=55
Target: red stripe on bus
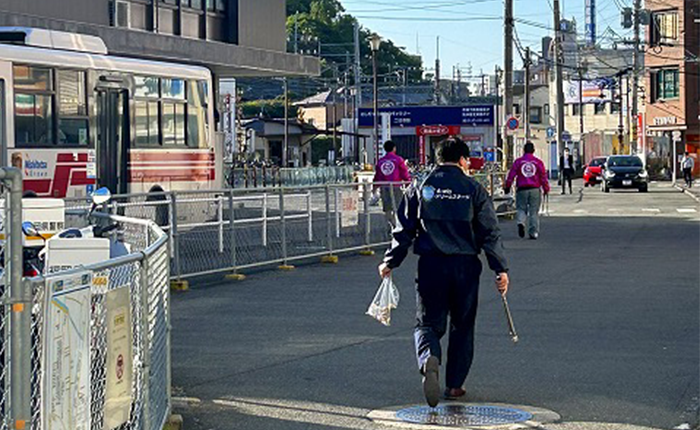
x=170, y=173
x=39, y=186
x=169, y=156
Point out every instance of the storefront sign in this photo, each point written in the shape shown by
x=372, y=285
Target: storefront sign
x=414, y=116
x=665, y=120
x=350, y=215
x=433, y=130
x=65, y=385
x=594, y=91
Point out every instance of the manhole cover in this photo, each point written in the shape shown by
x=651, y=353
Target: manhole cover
x=456, y=415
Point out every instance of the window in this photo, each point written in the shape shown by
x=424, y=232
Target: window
x=615, y=107
x=33, y=119
x=664, y=28
x=516, y=109
x=216, y=5
x=194, y=4
x=146, y=122
x=146, y=87
x=196, y=115
x=173, y=121
x=575, y=109
x=72, y=108
x=536, y=115
x=33, y=106
x=599, y=108
x=664, y=84
x=546, y=109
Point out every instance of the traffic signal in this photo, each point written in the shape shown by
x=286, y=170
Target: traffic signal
x=627, y=18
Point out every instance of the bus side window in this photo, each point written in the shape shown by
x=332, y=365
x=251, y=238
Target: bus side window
x=72, y=108
x=196, y=115
x=33, y=106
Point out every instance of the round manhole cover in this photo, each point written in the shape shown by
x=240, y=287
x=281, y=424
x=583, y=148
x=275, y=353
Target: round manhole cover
x=457, y=415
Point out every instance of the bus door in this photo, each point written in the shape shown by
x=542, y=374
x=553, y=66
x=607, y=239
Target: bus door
x=112, y=139
x=5, y=111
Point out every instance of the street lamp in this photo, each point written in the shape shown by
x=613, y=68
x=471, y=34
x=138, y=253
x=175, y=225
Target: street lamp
x=374, y=42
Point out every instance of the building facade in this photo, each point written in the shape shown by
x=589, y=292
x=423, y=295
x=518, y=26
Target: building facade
x=671, y=103
x=233, y=38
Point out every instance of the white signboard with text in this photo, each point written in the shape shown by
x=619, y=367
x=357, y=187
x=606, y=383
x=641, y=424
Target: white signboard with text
x=66, y=361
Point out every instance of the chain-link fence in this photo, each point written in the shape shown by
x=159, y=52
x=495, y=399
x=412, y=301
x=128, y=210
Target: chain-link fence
x=234, y=229
x=100, y=339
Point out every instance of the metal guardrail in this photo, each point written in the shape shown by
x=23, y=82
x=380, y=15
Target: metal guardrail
x=229, y=230
x=143, y=277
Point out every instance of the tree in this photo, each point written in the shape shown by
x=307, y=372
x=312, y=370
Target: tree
x=327, y=22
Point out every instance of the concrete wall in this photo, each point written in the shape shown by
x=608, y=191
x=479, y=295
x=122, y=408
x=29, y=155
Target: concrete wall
x=89, y=11
x=262, y=24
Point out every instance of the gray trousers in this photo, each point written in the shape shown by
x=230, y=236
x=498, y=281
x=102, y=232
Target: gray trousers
x=527, y=203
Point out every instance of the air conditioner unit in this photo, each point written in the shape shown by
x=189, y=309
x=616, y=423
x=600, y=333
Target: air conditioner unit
x=120, y=13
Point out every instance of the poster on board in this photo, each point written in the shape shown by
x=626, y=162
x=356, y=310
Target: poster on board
x=119, y=368
x=65, y=385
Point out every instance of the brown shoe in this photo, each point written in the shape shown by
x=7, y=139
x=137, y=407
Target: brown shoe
x=454, y=393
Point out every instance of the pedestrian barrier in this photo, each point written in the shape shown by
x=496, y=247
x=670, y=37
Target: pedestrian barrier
x=225, y=231
x=99, y=340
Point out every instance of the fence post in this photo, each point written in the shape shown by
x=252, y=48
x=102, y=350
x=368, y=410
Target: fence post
x=264, y=215
x=146, y=365
x=232, y=239
x=220, y=215
x=310, y=213
x=367, y=191
x=491, y=183
x=20, y=300
x=178, y=283
x=329, y=218
x=283, y=225
x=336, y=200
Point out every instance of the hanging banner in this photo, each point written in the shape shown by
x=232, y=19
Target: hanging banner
x=65, y=385
x=119, y=358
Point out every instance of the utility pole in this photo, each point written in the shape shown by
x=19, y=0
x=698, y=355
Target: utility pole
x=508, y=81
x=437, y=73
x=285, y=150
x=583, y=66
x=357, y=100
x=358, y=69
x=459, y=84
x=483, y=84
x=620, y=126
x=635, y=74
x=496, y=113
x=526, y=113
x=334, y=88
x=558, y=65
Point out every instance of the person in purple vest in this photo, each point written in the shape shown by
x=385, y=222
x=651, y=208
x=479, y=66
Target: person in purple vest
x=531, y=178
x=392, y=172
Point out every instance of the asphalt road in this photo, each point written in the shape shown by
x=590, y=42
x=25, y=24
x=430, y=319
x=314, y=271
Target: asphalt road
x=606, y=304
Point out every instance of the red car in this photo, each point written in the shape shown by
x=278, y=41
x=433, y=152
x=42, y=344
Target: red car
x=592, y=172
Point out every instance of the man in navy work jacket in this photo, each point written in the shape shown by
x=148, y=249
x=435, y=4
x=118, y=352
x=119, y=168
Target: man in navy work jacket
x=449, y=218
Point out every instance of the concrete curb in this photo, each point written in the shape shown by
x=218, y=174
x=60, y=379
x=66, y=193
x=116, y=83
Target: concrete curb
x=686, y=191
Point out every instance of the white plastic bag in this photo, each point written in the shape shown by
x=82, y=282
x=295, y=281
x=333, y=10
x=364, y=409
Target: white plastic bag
x=386, y=299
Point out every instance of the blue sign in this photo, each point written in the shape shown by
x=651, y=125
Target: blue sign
x=414, y=116
x=490, y=156
x=551, y=131
x=512, y=123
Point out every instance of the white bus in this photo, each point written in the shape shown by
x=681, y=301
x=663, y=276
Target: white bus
x=74, y=118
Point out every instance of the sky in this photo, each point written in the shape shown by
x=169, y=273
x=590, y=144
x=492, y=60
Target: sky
x=471, y=31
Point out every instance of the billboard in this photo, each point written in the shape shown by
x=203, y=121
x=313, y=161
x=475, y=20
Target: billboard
x=414, y=116
x=594, y=91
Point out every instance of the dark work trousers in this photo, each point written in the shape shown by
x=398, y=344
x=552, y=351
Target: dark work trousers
x=447, y=285
x=567, y=176
x=688, y=176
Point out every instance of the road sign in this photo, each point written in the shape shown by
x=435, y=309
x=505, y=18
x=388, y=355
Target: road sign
x=676, y=135
x=566, y=136
x=512, y=123
x=551, y=131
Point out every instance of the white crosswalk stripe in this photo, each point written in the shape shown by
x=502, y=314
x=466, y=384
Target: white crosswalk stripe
x=686, y=210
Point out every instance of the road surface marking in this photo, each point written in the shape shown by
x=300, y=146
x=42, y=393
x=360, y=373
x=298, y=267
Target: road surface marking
x=653, y=210
x=580, y=211
x=686, y=210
